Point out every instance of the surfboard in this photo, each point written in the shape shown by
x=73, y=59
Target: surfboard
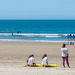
x=51, y=65
x=35, y=65
x=39, y=65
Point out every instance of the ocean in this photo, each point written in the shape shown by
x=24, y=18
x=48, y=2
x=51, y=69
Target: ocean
x=37, y=30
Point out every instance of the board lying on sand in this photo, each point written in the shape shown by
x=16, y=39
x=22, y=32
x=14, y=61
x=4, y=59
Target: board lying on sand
x=38, y=65
x=52, y=65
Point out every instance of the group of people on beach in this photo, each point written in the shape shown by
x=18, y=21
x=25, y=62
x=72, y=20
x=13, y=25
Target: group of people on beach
x=65, y=55
x=31, y=61
x=70, y=36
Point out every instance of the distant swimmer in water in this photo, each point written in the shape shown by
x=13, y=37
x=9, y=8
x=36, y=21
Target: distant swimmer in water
x=69, y=36
x=18, y=32
x=73, y=36
x=12, y=33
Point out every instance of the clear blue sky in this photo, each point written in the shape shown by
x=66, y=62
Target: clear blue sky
x=37, y=9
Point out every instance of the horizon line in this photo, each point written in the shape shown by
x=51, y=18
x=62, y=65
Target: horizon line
x=37, y=19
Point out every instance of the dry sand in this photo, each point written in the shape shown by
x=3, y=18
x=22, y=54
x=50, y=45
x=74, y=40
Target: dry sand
x=13, y=56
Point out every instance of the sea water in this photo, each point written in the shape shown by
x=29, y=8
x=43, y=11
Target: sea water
x=36, y=30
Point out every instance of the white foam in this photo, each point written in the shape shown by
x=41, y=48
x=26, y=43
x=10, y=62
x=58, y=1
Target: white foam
x=38, y=35
x=5, y=34
x=53, y=36
x=29, y=35
x=21, y=40
x=35, y=34
x=32, y=34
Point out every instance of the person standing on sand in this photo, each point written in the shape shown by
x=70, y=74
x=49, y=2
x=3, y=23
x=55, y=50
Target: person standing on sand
x=65, y=55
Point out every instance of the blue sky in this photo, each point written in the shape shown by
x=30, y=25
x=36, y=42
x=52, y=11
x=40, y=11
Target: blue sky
x=37, y=9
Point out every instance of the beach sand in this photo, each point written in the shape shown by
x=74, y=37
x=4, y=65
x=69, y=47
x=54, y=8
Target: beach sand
x=13, y=57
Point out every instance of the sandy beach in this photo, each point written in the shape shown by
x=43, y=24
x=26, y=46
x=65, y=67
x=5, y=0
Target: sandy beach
x=13, y=56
